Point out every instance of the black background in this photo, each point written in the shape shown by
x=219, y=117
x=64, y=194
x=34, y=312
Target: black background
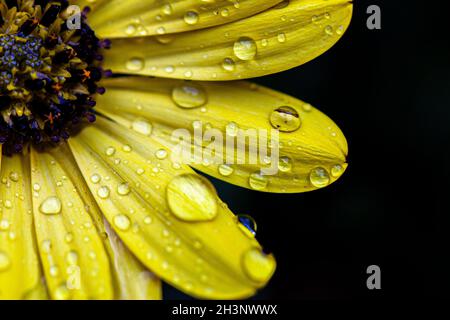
x=388, y=90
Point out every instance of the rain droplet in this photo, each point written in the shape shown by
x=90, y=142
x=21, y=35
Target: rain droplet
x=258, y=266
x=51, y=206
x=192, y=198
x=245, y=48
x=285, y=119
x=122, y=222
x=189, y=96
x=258, y=181
x=319, y=177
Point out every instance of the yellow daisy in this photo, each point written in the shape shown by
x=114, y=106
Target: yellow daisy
x=92, y=203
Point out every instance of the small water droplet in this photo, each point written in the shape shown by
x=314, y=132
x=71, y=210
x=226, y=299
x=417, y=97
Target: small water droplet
x=226, y=170
x=258, y=181
x=135, y=64
x=228, y=64
x=189, y=96
x=247, y=224
x=103, y=192
x=122, y=222
x=192, y=198
x=337, y=170
x=50, y=206
x=96, y=178
x=161, y=154
x=285, y=119
x=245, y=48
x=110, y=151
x=285, y=164
x=281, y=37
x=123, y=189
x=258, y=266
x=191, y=17
x=319, y=177
x=142, y=126
x=5, y=261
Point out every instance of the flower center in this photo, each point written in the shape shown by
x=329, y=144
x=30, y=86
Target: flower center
x=49, y=72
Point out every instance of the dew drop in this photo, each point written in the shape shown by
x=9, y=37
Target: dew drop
x=319, y=177
x=285, y=119
x=161, y=154
x=110, y=151
x=189, y=96
x=258, y=266
x=337, y=170
x=192, y=198
x=95, y=178
x=51, y=206
x=245, y=48
x=122, y=222
x=281, y=37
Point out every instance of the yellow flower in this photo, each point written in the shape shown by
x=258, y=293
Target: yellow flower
x=109, y=211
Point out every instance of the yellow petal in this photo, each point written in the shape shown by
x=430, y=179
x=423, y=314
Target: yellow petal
x=206, y=258
x=134, y=18
x=73, y=257
x=133, y=280
x=20, y=275
x=272, y=41
x=309, y=153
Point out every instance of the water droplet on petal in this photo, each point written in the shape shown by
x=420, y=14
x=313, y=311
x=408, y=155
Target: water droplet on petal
x=5, y=261
x=189, y=96
x=135, y=64
x=122, y=222
x=285, y=164
x=192, y=198
x=247, y=224
x=258, y=266
x=245, y=48
x=228, y=64
x=110, y=151
x=161, y=154
x=51, y=206
x=258, y=181
x=142, y=126
x=285, y=119
x=123, y=189
x=337, y=170
x=226, y=170
x=319, y=177
x=95, y=178
x=191, y=17
x=103, y=192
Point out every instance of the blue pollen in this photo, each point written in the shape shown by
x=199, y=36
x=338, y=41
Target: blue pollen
x=19, y=52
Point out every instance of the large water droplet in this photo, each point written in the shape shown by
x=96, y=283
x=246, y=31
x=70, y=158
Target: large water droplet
x=226, y=170
x=319, y=177
x=103, y=192
x=189, y=96
x=192, y=198
x=258, y=181
x=285, y=119
x=50, y=206
x=245, y=48
x=285, y=164
x=258, y=266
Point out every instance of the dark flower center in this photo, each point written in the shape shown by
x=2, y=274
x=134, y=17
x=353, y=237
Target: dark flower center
x=49, y=72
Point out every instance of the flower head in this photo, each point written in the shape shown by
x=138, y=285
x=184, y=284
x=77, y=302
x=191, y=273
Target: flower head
x=98, y=196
